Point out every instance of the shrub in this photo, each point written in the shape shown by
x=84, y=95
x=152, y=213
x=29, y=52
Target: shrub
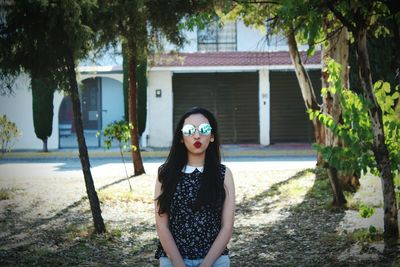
x=119, y=131
x=8, y=134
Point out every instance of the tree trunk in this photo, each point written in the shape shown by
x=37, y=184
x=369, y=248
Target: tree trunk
x=311, y=102
x=380, y=149
x=125, y=82
x=45, y=145
x=306, y=87
x=331, y=106
x=83, y=152
x=337, y=49
x=338, y=197
x=132, y=92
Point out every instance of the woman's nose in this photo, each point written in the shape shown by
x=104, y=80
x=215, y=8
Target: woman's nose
x=196, y=134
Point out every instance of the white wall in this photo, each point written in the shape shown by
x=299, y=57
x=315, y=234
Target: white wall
x=249, y=39
x=18, y=108
x=190, y=45
x=191, y=37
x=112, y=101
x=160, y=110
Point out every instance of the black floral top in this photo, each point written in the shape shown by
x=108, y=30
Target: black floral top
x=194, y=231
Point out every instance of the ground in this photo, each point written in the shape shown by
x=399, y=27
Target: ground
x=283, y=218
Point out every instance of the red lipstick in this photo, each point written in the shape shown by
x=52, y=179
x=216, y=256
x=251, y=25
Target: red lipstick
x=197, y=144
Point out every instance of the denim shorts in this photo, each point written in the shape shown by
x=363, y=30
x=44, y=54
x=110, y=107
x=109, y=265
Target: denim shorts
x=222, y=261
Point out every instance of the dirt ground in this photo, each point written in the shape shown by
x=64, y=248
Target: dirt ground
x=282, y=219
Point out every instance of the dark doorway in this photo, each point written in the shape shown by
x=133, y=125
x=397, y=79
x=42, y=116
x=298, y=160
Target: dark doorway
x=91, y=104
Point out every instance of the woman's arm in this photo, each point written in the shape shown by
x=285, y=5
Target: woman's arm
x=227, y=220
x=166, y=238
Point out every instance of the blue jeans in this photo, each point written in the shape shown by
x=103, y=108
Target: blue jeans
x=222, y=261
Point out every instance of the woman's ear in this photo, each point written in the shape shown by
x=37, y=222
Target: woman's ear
x=212, y=138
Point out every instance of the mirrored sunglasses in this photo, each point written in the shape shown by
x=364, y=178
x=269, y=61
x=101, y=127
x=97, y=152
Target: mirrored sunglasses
x=189, y=129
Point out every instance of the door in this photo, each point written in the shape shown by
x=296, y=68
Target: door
x=91, y=104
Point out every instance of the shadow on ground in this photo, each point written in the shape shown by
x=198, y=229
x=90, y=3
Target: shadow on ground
x=306, y=236
x=303, y=235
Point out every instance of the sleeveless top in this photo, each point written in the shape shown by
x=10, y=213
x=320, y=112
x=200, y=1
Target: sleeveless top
x=194, y=231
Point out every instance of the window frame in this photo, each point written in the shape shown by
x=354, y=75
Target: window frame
x=217, y=44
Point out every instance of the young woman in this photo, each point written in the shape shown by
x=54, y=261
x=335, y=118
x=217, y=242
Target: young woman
x=195, y=196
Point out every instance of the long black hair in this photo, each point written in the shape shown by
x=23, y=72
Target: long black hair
x=212, y=190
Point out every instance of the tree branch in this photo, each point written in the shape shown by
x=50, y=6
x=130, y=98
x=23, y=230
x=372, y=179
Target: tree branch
x=340, y=17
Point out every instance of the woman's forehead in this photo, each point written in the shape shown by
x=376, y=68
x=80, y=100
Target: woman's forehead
x=196, y=119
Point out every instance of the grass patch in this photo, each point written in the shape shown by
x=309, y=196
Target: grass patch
x=318, y=189
x=85, y=232
x=366, y=235
x=287, y=191
x=114, y=195
x=115, y=232
x=352, y=203
x=331, y=239
x=296, y=187
x=321, y=190
x=321, y=173
x=292, y=187
x=75, y=231
x=41, y=256
x=7, y=193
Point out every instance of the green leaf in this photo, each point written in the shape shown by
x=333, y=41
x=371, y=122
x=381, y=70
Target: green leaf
x=378, y=84
x=118, y=130
x=386, y=87
x=365, y=211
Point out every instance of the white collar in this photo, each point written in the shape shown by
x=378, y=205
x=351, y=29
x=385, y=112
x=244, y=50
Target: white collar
x=190, y=169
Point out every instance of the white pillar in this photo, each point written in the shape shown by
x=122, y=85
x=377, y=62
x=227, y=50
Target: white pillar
x=54, y=141
x=264, y=106
x=160, y=108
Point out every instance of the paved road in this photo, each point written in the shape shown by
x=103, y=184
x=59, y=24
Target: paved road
x=56, y=167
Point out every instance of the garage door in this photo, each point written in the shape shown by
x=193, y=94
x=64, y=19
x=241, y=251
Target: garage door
x=289, y=120
x=232, y=97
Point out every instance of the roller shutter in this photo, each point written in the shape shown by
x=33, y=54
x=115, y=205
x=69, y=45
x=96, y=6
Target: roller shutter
x=232, y=97
x=289, y=120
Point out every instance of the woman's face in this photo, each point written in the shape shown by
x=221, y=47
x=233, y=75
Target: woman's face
x=197, y=143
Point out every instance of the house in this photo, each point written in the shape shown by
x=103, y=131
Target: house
x=248, y=83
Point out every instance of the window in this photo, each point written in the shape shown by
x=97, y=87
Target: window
x=216, y=38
